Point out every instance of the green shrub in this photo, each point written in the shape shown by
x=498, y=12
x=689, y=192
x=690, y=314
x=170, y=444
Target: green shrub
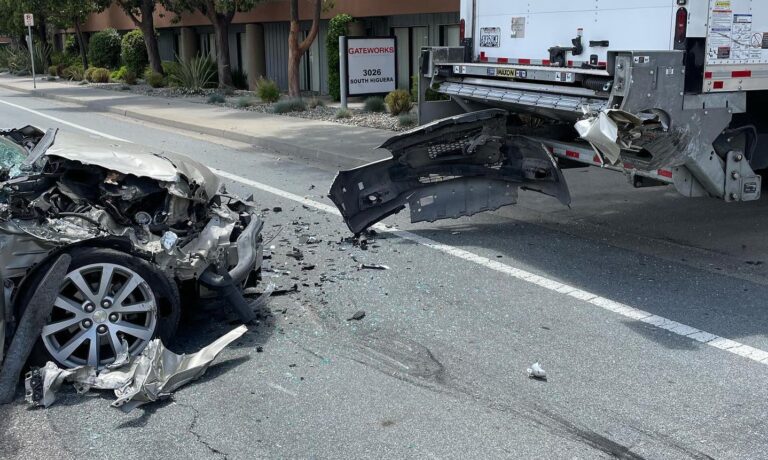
x=398, y=102
x=429, y=95
x=74, y=73
x=104, y=49
x=154, y=79
x=122, y=73
x=87, y=73
x=130, y=77
x=337, y=27
x=57, y=57
x=216, y=98
x=315, y=103
x=290, y=105
x=194, y=74
x=240, y=79
x=16, y=59
x=343, y=114
x=267, y=90
x=53, y=71
x=42, y=56
x=71, y=46
x=407, y=120
x=134, y=51
x=99, y=75
x=170, y=68
x=245, y=102
x=375, y=104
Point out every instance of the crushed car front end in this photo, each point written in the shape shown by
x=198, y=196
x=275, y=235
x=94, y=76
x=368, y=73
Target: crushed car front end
x=139, y=223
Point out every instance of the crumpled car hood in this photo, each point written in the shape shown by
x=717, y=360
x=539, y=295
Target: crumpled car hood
x=132, y=159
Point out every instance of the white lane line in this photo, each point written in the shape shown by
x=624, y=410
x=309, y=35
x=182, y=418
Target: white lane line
x=627, y=311
x=64, y=122
x=279, y=388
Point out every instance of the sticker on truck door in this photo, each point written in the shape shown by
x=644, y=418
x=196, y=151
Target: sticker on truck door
x=490, y=37
x=736, y=33
x=518, y=28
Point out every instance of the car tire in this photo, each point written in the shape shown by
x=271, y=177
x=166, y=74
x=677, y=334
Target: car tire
x=129, y=302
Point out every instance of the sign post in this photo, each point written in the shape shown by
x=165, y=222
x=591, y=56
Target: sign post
x=343, y=70
x=368, y=66
x=29, y=22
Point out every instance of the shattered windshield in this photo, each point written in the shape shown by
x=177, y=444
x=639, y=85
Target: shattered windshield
x=12, y=157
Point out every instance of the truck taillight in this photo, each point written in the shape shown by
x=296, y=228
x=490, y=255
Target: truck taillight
x=462, y=31
x=681, y=27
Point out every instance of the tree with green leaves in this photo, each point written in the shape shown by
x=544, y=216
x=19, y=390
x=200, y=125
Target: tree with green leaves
x=12, y=18
x=220, y=13
x=141, y=13
x=73, y=13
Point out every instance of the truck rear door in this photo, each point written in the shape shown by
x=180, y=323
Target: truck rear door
x=522, y=32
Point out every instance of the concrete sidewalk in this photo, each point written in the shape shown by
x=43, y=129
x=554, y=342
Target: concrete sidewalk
x=299, y=137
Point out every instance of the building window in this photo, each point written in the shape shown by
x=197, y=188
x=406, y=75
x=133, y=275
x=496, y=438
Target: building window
x=410, y=40
x=239, y=48
x=176, y=51
x=450, y=35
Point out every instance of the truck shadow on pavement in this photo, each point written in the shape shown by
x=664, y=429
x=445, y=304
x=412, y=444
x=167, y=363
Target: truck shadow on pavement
x=717, y=303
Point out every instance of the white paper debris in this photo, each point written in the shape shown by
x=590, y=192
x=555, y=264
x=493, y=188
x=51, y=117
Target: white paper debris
x=537, y=372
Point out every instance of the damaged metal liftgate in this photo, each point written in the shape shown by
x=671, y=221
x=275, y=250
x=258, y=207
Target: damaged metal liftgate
x=647, y=113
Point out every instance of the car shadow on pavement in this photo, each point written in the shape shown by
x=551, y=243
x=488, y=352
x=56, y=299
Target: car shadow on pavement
x=209, y=319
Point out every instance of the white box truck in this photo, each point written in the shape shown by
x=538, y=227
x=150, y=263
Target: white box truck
x=669, y=92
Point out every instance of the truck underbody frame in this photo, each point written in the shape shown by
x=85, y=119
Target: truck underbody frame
x=690, y=145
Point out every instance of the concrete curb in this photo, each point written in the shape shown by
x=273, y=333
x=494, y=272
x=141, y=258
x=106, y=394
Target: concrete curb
x=269, y=143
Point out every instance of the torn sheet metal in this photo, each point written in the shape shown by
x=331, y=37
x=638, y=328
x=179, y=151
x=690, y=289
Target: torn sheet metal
x=155, y=374
x=612, y=131
x=603, y=134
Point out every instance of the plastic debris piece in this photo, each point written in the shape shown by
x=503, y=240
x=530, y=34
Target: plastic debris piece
x=263, y=298
x=372, y=267
x=357, y=316
x=169, y=241
x=291, y=290
x=537, y=372
x=296, y=254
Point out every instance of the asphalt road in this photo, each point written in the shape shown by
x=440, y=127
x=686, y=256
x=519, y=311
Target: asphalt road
x=437, y=368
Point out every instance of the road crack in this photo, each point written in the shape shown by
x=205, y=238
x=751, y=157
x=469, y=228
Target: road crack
x=199, y=437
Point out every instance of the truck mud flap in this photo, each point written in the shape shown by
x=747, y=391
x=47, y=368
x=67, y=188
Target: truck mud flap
x=451, y=168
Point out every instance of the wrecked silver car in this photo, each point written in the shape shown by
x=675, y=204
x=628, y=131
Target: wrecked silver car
x=139, y=226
